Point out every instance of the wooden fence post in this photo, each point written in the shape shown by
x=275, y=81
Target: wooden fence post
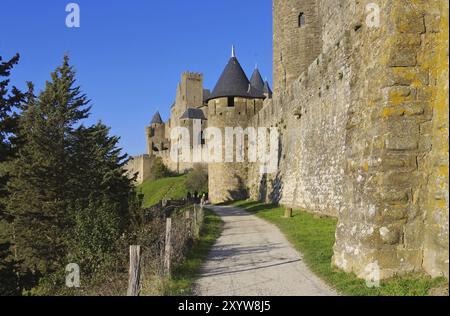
x=195, y=221
x=202, y=218
x=134, y=286
x=188, y=223
x=168, y=248
x=288, y=213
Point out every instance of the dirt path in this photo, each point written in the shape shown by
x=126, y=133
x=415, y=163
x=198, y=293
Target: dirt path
x=253, y=258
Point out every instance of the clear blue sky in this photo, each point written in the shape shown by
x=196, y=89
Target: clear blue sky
x=129, y=55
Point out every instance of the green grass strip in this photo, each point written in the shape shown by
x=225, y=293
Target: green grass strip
x=184, y=275
x=315, y=238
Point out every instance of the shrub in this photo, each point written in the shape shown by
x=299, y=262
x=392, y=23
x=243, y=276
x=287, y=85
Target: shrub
x=197, y=179
x=159, y=170
x=97, y=236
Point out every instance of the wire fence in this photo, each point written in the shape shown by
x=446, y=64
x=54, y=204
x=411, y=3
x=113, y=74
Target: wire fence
x=168, y=233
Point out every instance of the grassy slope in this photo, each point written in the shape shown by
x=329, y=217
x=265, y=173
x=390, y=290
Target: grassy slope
x=315, y=238
x=166, y=188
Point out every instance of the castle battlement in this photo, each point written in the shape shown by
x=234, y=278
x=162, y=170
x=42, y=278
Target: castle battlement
x=192, y=75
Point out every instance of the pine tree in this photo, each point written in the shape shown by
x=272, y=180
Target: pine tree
x=97, y=164
x=71, y=200
x=40, y=179
x=158, y=169
x=9, y=102
x=104, y=196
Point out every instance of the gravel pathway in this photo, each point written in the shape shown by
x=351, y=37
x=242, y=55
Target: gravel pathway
x=253, y=258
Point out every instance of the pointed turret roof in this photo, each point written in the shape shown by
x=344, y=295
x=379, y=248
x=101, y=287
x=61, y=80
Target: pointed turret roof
x=257, y=81
x=206, y=95
x=193, y=114
x=267, y=91
x=157, y=119
x=234, y=82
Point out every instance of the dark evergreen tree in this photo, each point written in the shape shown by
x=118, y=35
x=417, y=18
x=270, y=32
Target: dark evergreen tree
x=71, y=201
x=158, y=169
x=9, y=102
x=39, y=202
x=97, y=164
x=103, y=196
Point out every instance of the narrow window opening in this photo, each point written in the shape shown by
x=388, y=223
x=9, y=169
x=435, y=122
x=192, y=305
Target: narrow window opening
x=301, y=19
x=203, y=140
x=230, y=102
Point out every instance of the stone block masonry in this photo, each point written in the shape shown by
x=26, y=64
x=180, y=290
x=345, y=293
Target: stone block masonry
x=362, y=111
x=296, y=38
x=311, y=118
x=364, y=130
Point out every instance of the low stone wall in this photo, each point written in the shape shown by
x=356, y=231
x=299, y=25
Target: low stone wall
x=140, y=166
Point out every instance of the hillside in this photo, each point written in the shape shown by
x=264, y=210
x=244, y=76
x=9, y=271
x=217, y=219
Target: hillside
x=165, y=188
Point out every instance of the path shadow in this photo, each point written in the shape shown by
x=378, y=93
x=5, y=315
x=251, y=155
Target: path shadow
x=214, y=273
x=223, y=252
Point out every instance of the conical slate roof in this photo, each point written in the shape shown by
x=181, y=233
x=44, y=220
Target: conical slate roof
x=157, y=119
x=234, y=83
x=257, y=81
x=206, y=95
x=193, y=114
x=267, y=89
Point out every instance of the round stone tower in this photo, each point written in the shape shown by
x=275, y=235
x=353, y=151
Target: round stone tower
x=231, y=104
x=155, y=134
x=296, y=40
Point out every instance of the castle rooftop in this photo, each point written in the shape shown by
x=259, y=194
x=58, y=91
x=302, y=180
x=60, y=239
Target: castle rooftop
x=257, y=81
x=193, y=114
x=234, y=83
x=267, y=91
x=157, y=119
x=206, y=95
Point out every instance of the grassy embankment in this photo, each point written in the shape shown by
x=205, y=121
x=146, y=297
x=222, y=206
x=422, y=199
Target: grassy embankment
x=315, y=237
x=165, y=188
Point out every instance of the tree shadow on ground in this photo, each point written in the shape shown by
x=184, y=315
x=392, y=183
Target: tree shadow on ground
x=221, y=253
x=255, y=207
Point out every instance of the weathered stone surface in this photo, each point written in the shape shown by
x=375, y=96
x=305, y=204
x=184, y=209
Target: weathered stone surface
x=295, y=46
x=436, y=205
x=405, y=56
x=397, y=143
x=364, y=132
x=363, y=117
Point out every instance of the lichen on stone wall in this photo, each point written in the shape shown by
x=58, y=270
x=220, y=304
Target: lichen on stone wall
x=364, y=131
x=362, y=112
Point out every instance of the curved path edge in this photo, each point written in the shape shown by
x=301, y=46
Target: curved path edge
x=253, y=258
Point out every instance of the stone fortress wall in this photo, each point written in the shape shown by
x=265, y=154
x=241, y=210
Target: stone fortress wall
x=189, y=95
x=363, y=129
x=363, y=116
